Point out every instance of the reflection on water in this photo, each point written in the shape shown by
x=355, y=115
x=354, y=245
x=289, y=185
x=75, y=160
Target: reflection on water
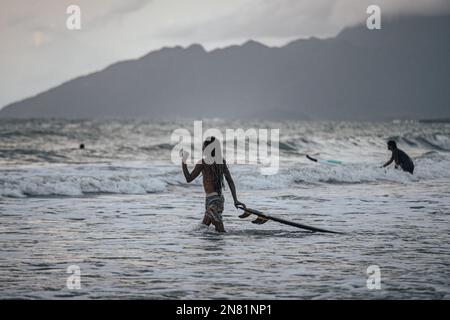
x=135, y=246
x=120, y=210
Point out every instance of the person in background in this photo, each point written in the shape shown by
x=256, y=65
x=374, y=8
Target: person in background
x=400, y=158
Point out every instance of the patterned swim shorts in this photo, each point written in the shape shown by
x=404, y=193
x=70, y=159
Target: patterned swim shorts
x=214, y=207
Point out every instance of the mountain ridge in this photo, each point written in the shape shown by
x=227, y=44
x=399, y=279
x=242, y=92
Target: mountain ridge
x=357, y=75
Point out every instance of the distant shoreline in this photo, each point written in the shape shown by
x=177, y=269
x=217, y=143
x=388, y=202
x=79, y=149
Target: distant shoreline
x=446, y=120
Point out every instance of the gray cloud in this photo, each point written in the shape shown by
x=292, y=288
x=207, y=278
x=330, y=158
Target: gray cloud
x=130, y=6
x=296, y=18
x=119, y=10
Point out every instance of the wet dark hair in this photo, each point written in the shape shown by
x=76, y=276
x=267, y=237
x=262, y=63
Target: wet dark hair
x=207, y=142
x=391, y=143
x=216, y=168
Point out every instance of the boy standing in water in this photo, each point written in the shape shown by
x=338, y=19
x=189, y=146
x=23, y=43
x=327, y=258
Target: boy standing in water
x=213, y=168
x=400, y=157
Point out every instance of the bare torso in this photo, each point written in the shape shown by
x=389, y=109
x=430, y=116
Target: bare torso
x=208, y=179
x=209, y=183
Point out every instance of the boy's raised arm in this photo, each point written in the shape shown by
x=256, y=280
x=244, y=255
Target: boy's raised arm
x=197, y=169
x=194, y=174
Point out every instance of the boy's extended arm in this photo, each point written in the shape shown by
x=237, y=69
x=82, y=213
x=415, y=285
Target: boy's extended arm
x=230, y=182
x=389, y=162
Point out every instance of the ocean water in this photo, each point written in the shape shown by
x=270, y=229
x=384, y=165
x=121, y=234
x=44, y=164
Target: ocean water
x=121, y=211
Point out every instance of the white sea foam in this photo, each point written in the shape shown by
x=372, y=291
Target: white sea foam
x=76, y=181
x=129, y=178
x=133, y=157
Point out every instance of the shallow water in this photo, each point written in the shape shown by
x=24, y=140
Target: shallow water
x=133, y=227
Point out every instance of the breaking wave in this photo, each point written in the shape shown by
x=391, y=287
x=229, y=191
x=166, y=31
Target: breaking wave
x=42, y=158
x=79, y=181
x=76, y=180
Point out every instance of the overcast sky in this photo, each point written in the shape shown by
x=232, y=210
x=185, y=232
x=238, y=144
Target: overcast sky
x=38, y=52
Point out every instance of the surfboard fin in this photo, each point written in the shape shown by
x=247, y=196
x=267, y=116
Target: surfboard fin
x=260, y=220
x=245, y=215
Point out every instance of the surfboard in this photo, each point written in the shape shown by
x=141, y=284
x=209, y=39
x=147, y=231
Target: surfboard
x=324, y=161
x=263, y=218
